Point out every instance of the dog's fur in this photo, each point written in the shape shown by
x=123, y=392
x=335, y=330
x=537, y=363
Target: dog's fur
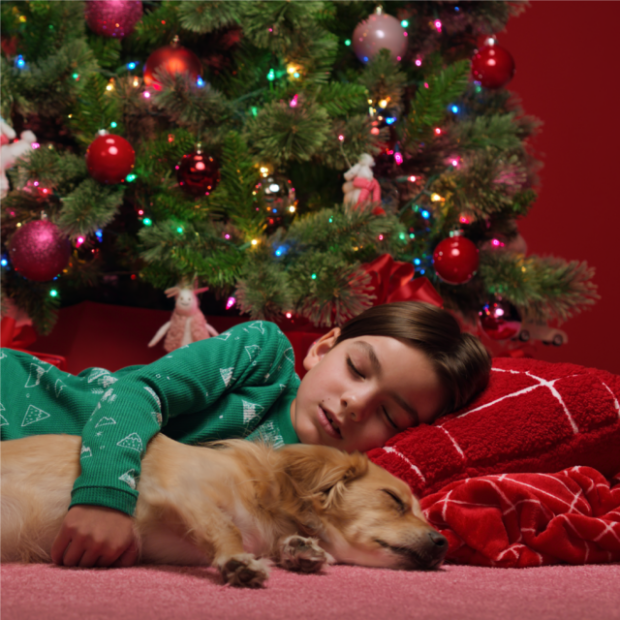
x=229, y=506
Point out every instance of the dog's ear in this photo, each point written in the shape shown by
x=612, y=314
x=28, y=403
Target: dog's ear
x=319, y=470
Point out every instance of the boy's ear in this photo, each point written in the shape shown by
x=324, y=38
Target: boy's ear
x=320, y=347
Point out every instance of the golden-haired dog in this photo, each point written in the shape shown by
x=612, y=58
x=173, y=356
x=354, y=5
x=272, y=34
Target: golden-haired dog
x=232, y=506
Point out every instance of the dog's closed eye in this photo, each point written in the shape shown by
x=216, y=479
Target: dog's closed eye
x=399, y=502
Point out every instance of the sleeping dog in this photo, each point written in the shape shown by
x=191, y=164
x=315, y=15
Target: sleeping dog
x=232, y=505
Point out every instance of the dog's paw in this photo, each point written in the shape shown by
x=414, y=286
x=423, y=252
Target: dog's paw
x=303, y=554
x=244, y=570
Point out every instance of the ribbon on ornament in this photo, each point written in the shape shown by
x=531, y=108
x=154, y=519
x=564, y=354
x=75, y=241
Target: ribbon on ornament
x=393, y=281
x=370, y=190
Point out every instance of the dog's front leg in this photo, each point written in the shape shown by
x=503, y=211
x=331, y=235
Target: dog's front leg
x=302, y=554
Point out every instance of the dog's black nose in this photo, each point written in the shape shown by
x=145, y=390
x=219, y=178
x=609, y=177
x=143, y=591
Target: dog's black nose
x=440, y=541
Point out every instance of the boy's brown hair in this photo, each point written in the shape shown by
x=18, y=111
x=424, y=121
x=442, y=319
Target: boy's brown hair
x=461, y=361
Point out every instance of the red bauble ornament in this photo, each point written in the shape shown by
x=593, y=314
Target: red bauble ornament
x=110, y=159
x=456, y=260
x=39, y=251
x=113, y=18
x=171, y=59
x=499, y=320
x=198, y=173
x=492, y=66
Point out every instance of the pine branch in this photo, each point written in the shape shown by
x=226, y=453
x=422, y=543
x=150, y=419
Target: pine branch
x=384, y=79
x=499, y=131
x=204, y=17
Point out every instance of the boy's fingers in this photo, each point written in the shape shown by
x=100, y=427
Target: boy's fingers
x=128, y=557
x=73, y=554
x=60, y=545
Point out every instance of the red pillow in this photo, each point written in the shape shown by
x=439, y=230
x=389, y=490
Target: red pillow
x=534, y=416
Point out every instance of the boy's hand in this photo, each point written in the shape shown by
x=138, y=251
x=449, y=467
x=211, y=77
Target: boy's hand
x=95, y=536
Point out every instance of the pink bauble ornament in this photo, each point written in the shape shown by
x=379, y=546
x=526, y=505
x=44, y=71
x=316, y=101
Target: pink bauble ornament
x=39, y=251
x=113, y=18
x=172, y=59
x=499, y=320
x=379, y=31
x=456, y=260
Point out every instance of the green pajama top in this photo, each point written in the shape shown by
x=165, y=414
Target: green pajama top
x=239, y=384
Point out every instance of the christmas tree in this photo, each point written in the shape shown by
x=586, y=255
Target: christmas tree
x=211, y=142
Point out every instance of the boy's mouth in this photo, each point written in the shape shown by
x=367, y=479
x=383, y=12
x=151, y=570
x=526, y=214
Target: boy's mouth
x=327, y=421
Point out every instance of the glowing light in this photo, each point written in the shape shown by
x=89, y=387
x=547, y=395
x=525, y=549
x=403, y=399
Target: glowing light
x=254, y=110
x=293, y=102
x=425, y=214
x=347, y=42
x=374, y=131
x=289, y=315
x=412, y=179
x=132, y=65
x=4, y=262
x=497, y=243
x=79, y=241
x=230, y=302
x=383, y=103
x=146, y=94
x=271, y=76
x=75, y=76
x=200, y=82
x=455, y=162
x=398, y=158
x=341, y=138
x=454, y=109
x=437, y=131
x=99, y=234
x=499, y=312
x=404, y=23
x=110, y=86
x=436, y=197
x=53, y=293
x=417, y=261
x=113, y=124
x=179, y=230
x=136, y=82
x=254, y=241
x=226, y=236
x=464, y=219
x=147, y=221
x=418, y=62
x=438, y=25
x=390, y=120
x=292, y=208
x=35, y=145
x=313, y=276
x=20, y=63
x=425, y=84
x=380, y=237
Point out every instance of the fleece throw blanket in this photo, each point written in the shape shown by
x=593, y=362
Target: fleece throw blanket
x=516, y=520
x=534, y=418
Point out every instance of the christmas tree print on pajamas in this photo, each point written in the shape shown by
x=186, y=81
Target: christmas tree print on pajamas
x=238, y=384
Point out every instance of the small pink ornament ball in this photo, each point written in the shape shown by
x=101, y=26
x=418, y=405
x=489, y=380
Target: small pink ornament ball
x=110, y=159
x=377, y=32
x=456, y=260
x=198, y=173
x=39, y=251
x=499, y=319
x=113, y=18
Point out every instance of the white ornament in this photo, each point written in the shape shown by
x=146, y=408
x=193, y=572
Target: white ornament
x=10, y=152
x=361, y=185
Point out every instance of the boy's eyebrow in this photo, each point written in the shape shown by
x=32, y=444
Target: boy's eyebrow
x=376, y=366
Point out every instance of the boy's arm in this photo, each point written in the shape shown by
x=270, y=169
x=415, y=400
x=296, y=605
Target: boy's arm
x=187, y=381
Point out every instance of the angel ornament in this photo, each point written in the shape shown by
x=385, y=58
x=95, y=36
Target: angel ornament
x=361, y=186
x=187, y=324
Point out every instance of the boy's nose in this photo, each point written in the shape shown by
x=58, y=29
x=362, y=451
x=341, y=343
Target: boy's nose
x=355, y=408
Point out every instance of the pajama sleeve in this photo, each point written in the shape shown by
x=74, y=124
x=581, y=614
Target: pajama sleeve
x=187, y=382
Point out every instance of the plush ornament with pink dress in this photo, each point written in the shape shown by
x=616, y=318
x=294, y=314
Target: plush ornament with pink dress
x=361, y=185
x=11, y=150
x=187, y=324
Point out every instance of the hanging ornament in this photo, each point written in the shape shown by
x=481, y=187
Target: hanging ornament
x=379, y=31
x=109, y=158
x=456, y=259
x=278, y=192
x=499, y=319
x=172, y=59
x=492, y=66
x=198, y=173
x=113, y=18
x=39, y=251
x=361, y=185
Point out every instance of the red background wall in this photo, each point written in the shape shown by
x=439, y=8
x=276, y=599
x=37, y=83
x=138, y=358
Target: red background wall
x=566, y=55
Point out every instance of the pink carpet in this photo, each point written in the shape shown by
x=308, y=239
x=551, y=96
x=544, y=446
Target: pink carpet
x=463, y=592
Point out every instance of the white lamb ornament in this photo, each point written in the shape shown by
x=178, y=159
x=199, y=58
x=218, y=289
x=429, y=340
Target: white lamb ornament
x=10, y=152
x=361, y=186
x=187, y=324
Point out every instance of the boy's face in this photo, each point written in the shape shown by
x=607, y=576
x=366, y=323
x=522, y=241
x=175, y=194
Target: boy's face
x=358, y=394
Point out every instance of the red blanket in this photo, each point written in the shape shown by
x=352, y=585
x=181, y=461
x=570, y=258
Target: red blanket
x=516, y=520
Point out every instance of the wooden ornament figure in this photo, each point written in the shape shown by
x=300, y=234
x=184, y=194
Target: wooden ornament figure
x=361, y=186
x=187, y=324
